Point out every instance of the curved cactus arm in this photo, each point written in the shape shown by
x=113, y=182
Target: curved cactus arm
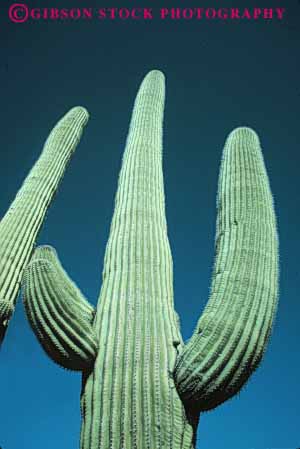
x=59, y=315
x=21, y=224
x=231, y=335
x=77, y=300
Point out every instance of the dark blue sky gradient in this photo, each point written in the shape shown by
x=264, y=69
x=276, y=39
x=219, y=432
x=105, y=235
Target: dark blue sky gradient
x=219, y=75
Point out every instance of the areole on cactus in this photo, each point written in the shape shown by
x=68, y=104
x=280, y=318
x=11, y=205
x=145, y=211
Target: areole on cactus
x=142, y=386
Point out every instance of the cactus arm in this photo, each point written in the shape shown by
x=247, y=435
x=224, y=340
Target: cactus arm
x=231, y=335
x=21, y=224
x=79, y=303
x=58, y=313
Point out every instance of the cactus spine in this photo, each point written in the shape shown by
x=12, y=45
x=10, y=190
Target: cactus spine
x=22, y=222
x=142, y=387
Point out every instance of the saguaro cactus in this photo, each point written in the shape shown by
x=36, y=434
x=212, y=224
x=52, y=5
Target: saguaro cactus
x=22, y=222
x=143, y=387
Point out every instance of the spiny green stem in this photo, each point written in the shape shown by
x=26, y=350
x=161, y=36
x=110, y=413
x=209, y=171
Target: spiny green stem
x=135, y=321
x=71, y=292
x=231, y=335
x=22, y=222
x=58, y=313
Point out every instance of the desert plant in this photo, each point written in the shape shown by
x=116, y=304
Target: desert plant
x=20, y=225
x=142, y=386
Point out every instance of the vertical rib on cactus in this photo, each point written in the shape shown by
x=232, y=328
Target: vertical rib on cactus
x=22, y=222
x=231, y=334
x=142, y=388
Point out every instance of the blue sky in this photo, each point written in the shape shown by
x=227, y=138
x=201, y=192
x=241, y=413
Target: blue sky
x=219, y=75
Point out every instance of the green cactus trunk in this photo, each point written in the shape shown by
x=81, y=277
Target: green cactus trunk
x=143, y=387
x=135, y=323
